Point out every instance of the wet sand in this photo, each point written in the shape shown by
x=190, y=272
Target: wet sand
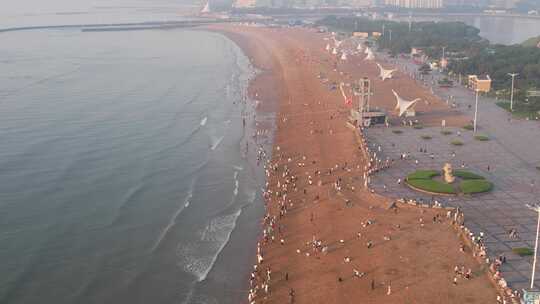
x=410, y=252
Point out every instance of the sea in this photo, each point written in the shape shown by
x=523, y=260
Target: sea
x=126, y=172
x=505, y=30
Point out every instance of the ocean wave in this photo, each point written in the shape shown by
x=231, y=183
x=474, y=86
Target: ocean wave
x=172, y=220
x=216, y=142
x=203, y=121
x=199, y=257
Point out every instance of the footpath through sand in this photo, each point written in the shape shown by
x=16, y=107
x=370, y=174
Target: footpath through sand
x=331, y=240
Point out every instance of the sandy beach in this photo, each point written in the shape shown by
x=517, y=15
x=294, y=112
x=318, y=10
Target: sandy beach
x=327, y=238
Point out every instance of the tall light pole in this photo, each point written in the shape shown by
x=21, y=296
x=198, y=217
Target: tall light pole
x=390, y=30
x=513, y=75
x=537, y=209
x=476, y=110
x=443, y=49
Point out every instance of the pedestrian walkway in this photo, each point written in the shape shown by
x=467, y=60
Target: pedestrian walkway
x=507, y=160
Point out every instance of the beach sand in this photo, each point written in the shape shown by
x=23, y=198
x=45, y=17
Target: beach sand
x=419, y=259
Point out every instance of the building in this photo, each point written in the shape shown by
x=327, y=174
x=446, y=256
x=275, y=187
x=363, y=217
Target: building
x=482, y=84
x=415, y=3
x=363, y=35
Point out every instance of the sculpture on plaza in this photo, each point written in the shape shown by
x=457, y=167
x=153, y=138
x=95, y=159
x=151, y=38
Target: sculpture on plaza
x=385, y=74
x=370, y=55
x=448, y=173
x=404, y=105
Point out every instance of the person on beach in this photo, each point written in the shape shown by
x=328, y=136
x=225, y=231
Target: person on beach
x=291, y=296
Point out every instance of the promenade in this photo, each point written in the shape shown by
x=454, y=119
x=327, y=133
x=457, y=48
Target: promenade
x=509, y=159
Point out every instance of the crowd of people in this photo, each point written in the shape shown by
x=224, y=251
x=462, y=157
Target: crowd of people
x=286, y=173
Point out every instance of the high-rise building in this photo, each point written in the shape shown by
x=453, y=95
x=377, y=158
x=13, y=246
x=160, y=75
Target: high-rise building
x=415, y=3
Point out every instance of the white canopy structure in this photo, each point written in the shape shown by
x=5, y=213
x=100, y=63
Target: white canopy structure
x=385, y=74
x=328, y=47
x=344, y=56
x=404, y=105
x=334, y=51
x=367, y=50
x=206, y=8
x=359, y=47
x=370, y=55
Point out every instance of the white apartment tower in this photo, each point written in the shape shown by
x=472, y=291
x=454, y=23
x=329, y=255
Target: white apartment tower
x=415, y=3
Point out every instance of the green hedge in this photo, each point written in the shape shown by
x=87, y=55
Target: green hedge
x=423, y=174
x=397, y=131
x=468, y=127
x=467, y=175
x=425, y=137
x=432, y=186
x=456, y=142
x=446, y=132
x=475, y=186
x=523, y=251
x=481, y=137
x=418, y=127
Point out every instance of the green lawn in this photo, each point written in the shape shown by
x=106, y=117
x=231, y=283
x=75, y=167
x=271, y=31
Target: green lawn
x=517, y=113
x=471, y=182
x=467, y=175
x=423, y=174
x=431, y=185
x=475, y=186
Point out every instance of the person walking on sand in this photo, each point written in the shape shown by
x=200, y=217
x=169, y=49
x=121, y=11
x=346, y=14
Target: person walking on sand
x=291, y=296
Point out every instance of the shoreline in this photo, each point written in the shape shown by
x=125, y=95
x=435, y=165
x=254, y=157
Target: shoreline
x=288, y=75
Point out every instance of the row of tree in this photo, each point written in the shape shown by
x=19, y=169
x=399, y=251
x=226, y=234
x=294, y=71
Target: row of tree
x=468, y=53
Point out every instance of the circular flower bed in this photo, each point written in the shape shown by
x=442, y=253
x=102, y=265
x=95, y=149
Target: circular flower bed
x=466, y=182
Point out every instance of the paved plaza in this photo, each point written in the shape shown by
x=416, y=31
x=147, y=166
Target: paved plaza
x=512, y=154
x=516, y=181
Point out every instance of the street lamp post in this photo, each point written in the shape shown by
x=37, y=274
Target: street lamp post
x=537, y=209
x=513, y=75
x=476, y=110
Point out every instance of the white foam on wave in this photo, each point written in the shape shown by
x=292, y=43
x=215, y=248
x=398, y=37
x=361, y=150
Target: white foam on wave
x=199, y=257
x=216, y=142
x=236, y=186
x=204, y=120
x=172, y=220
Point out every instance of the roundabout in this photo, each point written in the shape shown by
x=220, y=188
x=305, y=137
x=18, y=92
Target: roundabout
x=448, y=182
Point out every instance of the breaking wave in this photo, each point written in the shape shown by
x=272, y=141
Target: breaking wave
x=198, y=257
